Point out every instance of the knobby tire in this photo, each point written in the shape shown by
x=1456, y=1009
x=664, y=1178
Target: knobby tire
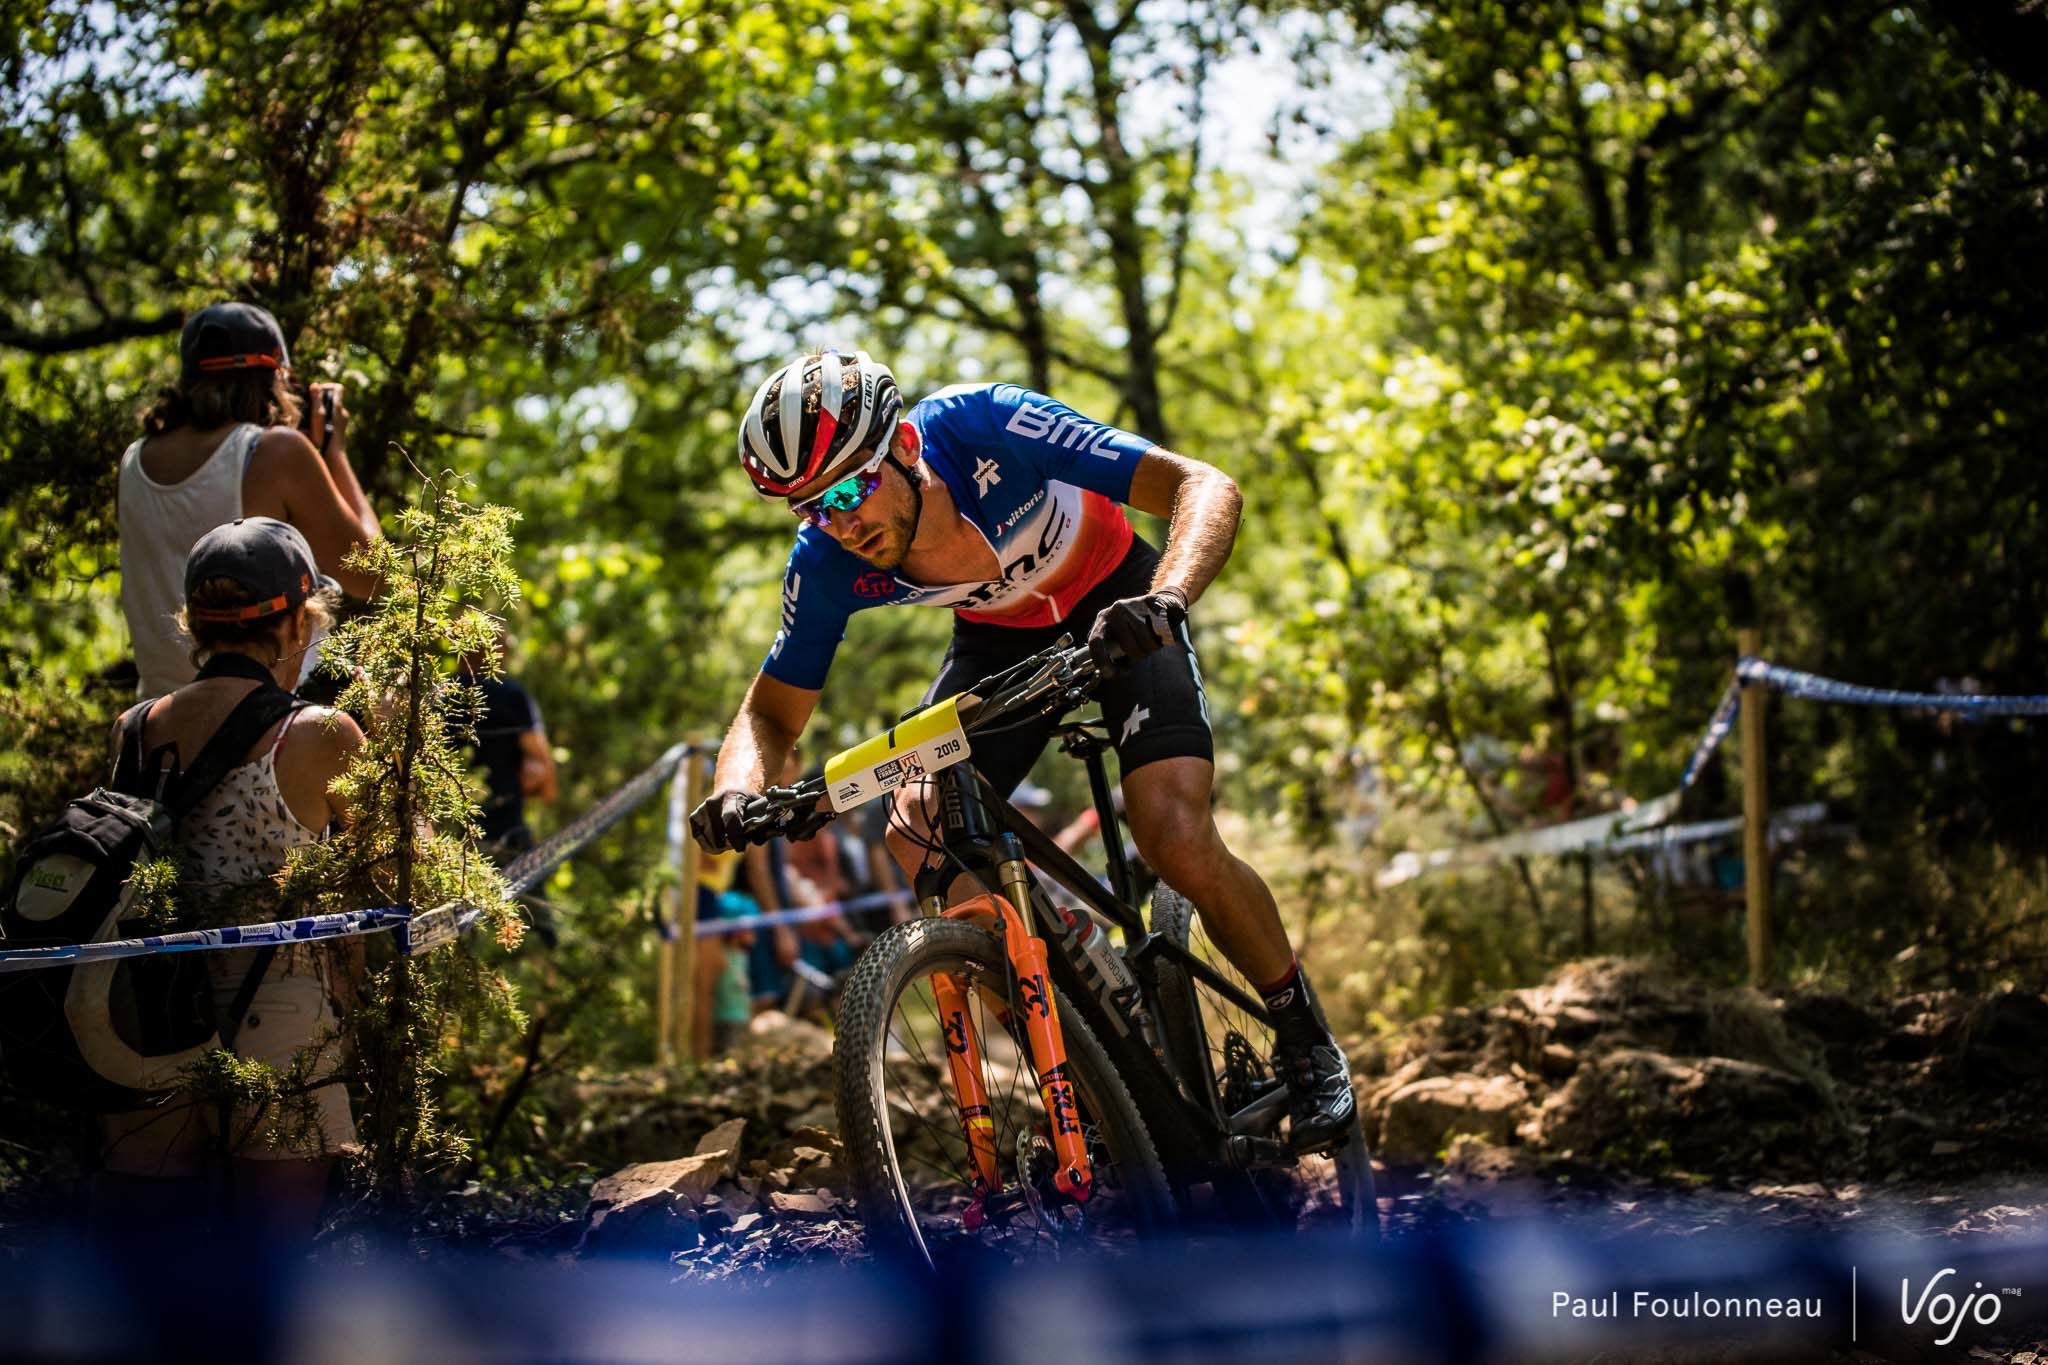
x=893, y=964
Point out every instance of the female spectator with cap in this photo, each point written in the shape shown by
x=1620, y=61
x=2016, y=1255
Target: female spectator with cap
x=253, y=601
x=222, y=444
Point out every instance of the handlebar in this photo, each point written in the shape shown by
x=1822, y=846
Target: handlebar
x=1050, y=682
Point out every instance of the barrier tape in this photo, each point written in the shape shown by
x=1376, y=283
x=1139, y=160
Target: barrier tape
x=342, y=924
x=712, y=928
x=428, y=928
x=1572, y=836
x=1717, y=730
x=1630, y=829
x=1813, y=687
x=533, y=867
x=1784, y=824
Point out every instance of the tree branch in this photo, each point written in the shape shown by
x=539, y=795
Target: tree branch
x=1592, y=175
x=105, y=333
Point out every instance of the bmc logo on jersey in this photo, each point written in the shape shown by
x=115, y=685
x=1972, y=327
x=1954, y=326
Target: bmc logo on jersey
x=874, y=584
x=1068, y=430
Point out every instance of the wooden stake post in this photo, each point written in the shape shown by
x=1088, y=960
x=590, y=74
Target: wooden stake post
x=675, y=961
x=665, y=994
x=691, y=778
x=1756, y=801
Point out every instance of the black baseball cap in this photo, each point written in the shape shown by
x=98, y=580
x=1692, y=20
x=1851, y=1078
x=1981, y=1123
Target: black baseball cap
x=231, y=336
x=267, y=558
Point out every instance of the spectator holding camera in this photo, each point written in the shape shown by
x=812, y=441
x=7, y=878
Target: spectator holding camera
x=224, y=443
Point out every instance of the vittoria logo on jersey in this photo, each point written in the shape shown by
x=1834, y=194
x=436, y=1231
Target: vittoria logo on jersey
x=1068, y=430
x=1022, y=512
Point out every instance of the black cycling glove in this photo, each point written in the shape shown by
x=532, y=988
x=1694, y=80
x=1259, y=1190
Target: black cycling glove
x=1141, y=625
x=719, y=822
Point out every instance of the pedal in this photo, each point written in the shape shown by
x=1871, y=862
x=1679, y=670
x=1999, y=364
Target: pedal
x=1319, y=1148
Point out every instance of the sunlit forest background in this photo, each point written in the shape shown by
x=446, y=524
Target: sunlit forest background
x=1523, y=327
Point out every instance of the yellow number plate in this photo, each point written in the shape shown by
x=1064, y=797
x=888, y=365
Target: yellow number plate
x=924, y=743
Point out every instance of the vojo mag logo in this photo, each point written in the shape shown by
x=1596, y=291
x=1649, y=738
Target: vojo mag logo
x=1944, y=1305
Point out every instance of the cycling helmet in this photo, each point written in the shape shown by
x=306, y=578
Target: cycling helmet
x=811, y=414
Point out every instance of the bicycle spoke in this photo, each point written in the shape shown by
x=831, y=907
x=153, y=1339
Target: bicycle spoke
x=934, y=1161
x=938, y=1085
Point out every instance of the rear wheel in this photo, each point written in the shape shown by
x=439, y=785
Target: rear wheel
x=1224, y=1052
x=899, y=1117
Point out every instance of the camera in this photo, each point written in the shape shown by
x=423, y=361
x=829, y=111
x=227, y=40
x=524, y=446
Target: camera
x=304, y=393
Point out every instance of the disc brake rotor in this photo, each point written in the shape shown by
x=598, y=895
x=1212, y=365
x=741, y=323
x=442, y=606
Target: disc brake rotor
x=1036, y=1162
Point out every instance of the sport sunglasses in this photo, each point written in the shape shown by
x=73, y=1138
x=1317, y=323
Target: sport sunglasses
x=848, y=494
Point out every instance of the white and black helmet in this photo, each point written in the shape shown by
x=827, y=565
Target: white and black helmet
x=786, y=441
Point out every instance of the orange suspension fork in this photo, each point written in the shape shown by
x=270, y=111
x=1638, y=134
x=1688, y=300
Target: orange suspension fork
x=1074, y=1177
x=970, y=1096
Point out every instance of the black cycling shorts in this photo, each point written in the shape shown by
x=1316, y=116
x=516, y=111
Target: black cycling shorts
x=1155, y=710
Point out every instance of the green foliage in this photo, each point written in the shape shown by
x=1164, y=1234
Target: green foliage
x=1601, y=304
x=411, y=836
x=1684, y=292
x=267, y=1106
x=156, y=904
x=55, y=743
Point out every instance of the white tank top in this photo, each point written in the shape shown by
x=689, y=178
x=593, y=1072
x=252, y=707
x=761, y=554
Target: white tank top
x=160, y=523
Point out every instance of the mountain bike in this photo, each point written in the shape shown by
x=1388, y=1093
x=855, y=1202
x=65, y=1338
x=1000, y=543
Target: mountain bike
x=1005, y=1075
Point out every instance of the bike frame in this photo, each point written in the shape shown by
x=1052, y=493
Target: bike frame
x=994, y=841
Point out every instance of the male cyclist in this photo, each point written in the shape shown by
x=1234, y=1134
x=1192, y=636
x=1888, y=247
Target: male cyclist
x=1007, y=507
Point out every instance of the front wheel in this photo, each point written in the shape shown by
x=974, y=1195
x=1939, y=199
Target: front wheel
x=1225, y=1055
x=909, y=1163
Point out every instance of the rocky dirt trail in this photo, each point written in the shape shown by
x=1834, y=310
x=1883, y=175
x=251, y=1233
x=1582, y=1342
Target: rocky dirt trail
x=1920, y=1111
x=1609, y=1096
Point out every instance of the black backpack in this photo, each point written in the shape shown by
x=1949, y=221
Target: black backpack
x=113, y=1036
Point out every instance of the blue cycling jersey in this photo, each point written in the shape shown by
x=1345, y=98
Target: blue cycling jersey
x=1043, y=484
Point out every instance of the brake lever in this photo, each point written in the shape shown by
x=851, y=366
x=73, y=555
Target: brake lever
x=786, y=813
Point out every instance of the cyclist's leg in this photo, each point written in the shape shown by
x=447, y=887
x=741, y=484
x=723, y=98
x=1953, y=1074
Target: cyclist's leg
x=1167, y=803
x=1159, y=719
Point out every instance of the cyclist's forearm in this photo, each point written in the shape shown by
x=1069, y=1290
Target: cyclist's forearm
x=754, y=747
x=1200, y=532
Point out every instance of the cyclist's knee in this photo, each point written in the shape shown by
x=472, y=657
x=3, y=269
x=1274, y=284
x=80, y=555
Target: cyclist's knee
x=1181, y=845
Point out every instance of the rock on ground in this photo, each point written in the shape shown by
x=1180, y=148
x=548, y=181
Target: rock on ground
x=652, y=1207
x=1613, y=1063
x=1417, y=1119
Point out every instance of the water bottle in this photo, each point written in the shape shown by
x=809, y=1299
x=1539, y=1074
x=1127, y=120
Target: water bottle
x=1122, y=985
x=1096, y=944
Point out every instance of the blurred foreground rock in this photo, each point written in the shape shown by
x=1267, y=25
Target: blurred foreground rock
x=719, y=1206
